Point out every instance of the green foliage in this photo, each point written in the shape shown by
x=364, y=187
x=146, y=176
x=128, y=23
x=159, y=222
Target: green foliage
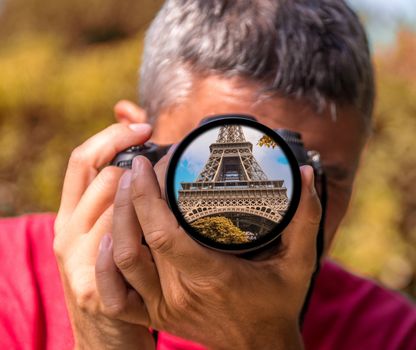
x=220, y=229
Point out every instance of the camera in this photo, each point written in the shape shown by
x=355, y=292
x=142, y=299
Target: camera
x=233, y=183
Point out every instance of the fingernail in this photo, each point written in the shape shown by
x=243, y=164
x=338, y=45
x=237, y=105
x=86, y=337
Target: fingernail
x=142, y=127
x=105, y=243
x=137, y=166
x=312, y=181
x=308, y=171
x=125, y=180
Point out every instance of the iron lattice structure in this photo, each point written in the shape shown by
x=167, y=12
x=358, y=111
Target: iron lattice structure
x=232, y=184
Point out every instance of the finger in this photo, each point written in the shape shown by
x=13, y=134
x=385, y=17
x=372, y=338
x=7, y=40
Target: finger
x=299, y=238
x=95, y=230
x=127, y=112
x=93, y=239
x=86, y=159
x=161, y=169
x=117, y=300
x=130, y=255
x=168, y=242
x=97, y=198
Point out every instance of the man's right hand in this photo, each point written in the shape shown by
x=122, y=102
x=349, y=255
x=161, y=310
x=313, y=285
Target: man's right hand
x=84, y=220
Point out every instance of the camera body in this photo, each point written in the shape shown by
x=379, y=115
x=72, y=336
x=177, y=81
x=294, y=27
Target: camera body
x=155, y=152
x=150, y=150
x=232, y=205
x=297, y=154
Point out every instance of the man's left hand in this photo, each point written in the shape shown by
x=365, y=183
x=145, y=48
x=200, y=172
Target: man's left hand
x=216, y=299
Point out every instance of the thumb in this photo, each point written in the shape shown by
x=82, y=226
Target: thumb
x=299, y=238
x=168, y=242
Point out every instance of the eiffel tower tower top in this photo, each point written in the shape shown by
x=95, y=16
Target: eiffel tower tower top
x=231, y=134
x=231, y=159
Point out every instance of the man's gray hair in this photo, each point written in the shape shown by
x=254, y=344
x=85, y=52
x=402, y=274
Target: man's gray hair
x=315, y=50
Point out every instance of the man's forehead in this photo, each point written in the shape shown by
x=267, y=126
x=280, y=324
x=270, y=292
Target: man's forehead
x=217, y=95
x=214, y=94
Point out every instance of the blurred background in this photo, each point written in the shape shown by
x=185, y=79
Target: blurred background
x=64, y=64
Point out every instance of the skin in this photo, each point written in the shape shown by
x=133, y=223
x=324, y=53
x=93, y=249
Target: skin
x=339, y=142
x=171, y=276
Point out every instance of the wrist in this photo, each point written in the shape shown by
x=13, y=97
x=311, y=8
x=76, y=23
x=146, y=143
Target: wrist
x=110, y=334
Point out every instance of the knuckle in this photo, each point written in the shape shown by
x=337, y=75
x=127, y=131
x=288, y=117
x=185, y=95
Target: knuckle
x=85, y=297
x=159, y=242
x=114, y=309
x=181, y=301
x=82, y=286
x=126, y=260
x=137, y=193
x=78, y=157
x=115, y=129
x=101, y=272
x=121, y=203
x=58, y=248
x=114, y=132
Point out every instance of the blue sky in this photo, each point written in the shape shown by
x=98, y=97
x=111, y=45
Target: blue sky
x=383, y=18
x=273, y=161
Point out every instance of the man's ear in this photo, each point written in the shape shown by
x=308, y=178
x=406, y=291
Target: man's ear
x=127, y=112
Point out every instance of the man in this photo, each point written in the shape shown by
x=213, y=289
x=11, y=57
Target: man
x=299, y=65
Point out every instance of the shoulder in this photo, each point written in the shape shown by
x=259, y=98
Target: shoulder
x=37, y=218
x=28, y=233
x=27, y=222
x=30, y=285
x=348, y=311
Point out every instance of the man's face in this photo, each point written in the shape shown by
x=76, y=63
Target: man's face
x=339, y=141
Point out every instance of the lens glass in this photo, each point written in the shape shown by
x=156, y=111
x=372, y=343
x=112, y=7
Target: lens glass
x=233, y=185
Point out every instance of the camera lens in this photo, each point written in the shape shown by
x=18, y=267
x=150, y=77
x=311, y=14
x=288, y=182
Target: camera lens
x=233, y=184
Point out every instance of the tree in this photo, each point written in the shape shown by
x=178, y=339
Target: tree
x=267, y=141
x=220, y=229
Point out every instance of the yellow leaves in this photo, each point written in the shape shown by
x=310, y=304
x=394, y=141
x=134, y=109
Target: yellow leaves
x=51, y=100
x=267, y=142
x=26, y=63
x=55, y=91
x=220, y=229
x=378, y=234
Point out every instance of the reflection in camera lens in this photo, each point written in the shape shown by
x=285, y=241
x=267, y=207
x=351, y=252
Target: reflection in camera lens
x=233, y=184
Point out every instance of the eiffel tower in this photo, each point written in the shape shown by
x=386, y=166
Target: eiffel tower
x=232, y=184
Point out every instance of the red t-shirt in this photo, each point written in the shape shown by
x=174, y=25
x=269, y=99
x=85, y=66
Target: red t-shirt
x=346, y=311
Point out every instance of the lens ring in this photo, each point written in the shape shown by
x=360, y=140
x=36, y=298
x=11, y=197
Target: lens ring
x=227, y=182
